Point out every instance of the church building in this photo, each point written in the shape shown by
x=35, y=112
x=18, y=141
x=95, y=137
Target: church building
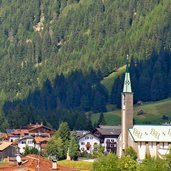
x=154, y=140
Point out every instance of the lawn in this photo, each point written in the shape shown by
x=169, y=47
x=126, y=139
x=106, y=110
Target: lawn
x=81, y=165
x=152, y=113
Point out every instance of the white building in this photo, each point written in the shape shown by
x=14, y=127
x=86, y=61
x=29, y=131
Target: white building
x=87, y=142
x=25, y=141
x=14, y=138
x=150, y=139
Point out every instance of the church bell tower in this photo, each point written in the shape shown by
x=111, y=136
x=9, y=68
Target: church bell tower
x=127, y=109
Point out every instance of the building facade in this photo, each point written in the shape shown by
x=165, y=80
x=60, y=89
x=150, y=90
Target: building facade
x=108, y=136
x=87, y=142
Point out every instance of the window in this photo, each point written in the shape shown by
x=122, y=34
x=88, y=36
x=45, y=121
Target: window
x=28, y=142
x=82, y=143
x=108, y=140
x=86, y=138
x=91, y=138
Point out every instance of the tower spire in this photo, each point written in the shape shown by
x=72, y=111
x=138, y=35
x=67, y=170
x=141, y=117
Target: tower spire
x=127, y=110
x=127, y=82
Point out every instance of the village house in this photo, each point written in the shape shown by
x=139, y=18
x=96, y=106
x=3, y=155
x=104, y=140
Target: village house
x=32, y=135
x=87, y=142
x=108, y=136
x=25, y=141
x=7, y=149
x=41, y=143
x=104, y=135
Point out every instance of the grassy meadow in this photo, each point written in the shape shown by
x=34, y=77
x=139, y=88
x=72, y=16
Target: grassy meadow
x=80, y=165
x=152, y=113
x=108, y=80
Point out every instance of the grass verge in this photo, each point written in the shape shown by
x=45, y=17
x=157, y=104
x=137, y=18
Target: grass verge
x=80, y=165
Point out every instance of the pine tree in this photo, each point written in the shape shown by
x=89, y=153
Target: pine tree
x=144, y=82
x=55, y=148
x=64, y=133
x=101, y=120
x=169, y=83
x=73, y=147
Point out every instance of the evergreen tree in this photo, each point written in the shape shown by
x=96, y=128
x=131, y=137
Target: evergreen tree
x=144, y=82
x=73, y=147
x=157, y=87
x=55, y=148
x=64, y=134
x=169, y=83
x=101, y=120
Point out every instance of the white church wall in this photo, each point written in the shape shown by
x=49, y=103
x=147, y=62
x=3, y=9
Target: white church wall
x=152, y=149
x=141, y=150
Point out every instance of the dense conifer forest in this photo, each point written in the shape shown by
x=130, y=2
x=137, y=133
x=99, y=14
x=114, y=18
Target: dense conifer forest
x=54, y=54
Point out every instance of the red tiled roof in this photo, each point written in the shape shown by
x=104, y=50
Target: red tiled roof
x=40, y=126
x=31, y=163
x=38, y=140
x=20, y=132
x=44, y=164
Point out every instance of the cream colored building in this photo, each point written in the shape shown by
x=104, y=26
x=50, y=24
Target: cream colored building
x=154, y=140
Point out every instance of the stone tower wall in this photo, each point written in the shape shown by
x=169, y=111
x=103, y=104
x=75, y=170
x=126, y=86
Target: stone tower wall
x=127, y=117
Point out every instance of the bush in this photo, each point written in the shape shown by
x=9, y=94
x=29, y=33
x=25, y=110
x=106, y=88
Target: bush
x=126, y=163
x=131, y=153
x=30, y=151
x=106, y=163
x=153, y=164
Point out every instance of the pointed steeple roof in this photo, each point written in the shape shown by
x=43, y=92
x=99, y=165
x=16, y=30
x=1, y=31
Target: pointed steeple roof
x=127, y=82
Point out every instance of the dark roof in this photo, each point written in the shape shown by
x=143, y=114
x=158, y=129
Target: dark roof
x=88, y=134
x=26, y=137
x=8, y=131
x=109, y=130
x=79, y=133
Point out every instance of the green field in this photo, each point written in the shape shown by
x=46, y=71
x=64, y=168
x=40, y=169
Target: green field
x=152, y=113
x=108, y=81
x=80, y=165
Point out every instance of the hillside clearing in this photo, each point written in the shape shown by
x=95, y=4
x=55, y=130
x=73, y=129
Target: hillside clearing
x=108, y=81
x=152, y=113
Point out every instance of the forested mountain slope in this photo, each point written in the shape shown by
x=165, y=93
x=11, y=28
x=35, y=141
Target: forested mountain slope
x=42, y=38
